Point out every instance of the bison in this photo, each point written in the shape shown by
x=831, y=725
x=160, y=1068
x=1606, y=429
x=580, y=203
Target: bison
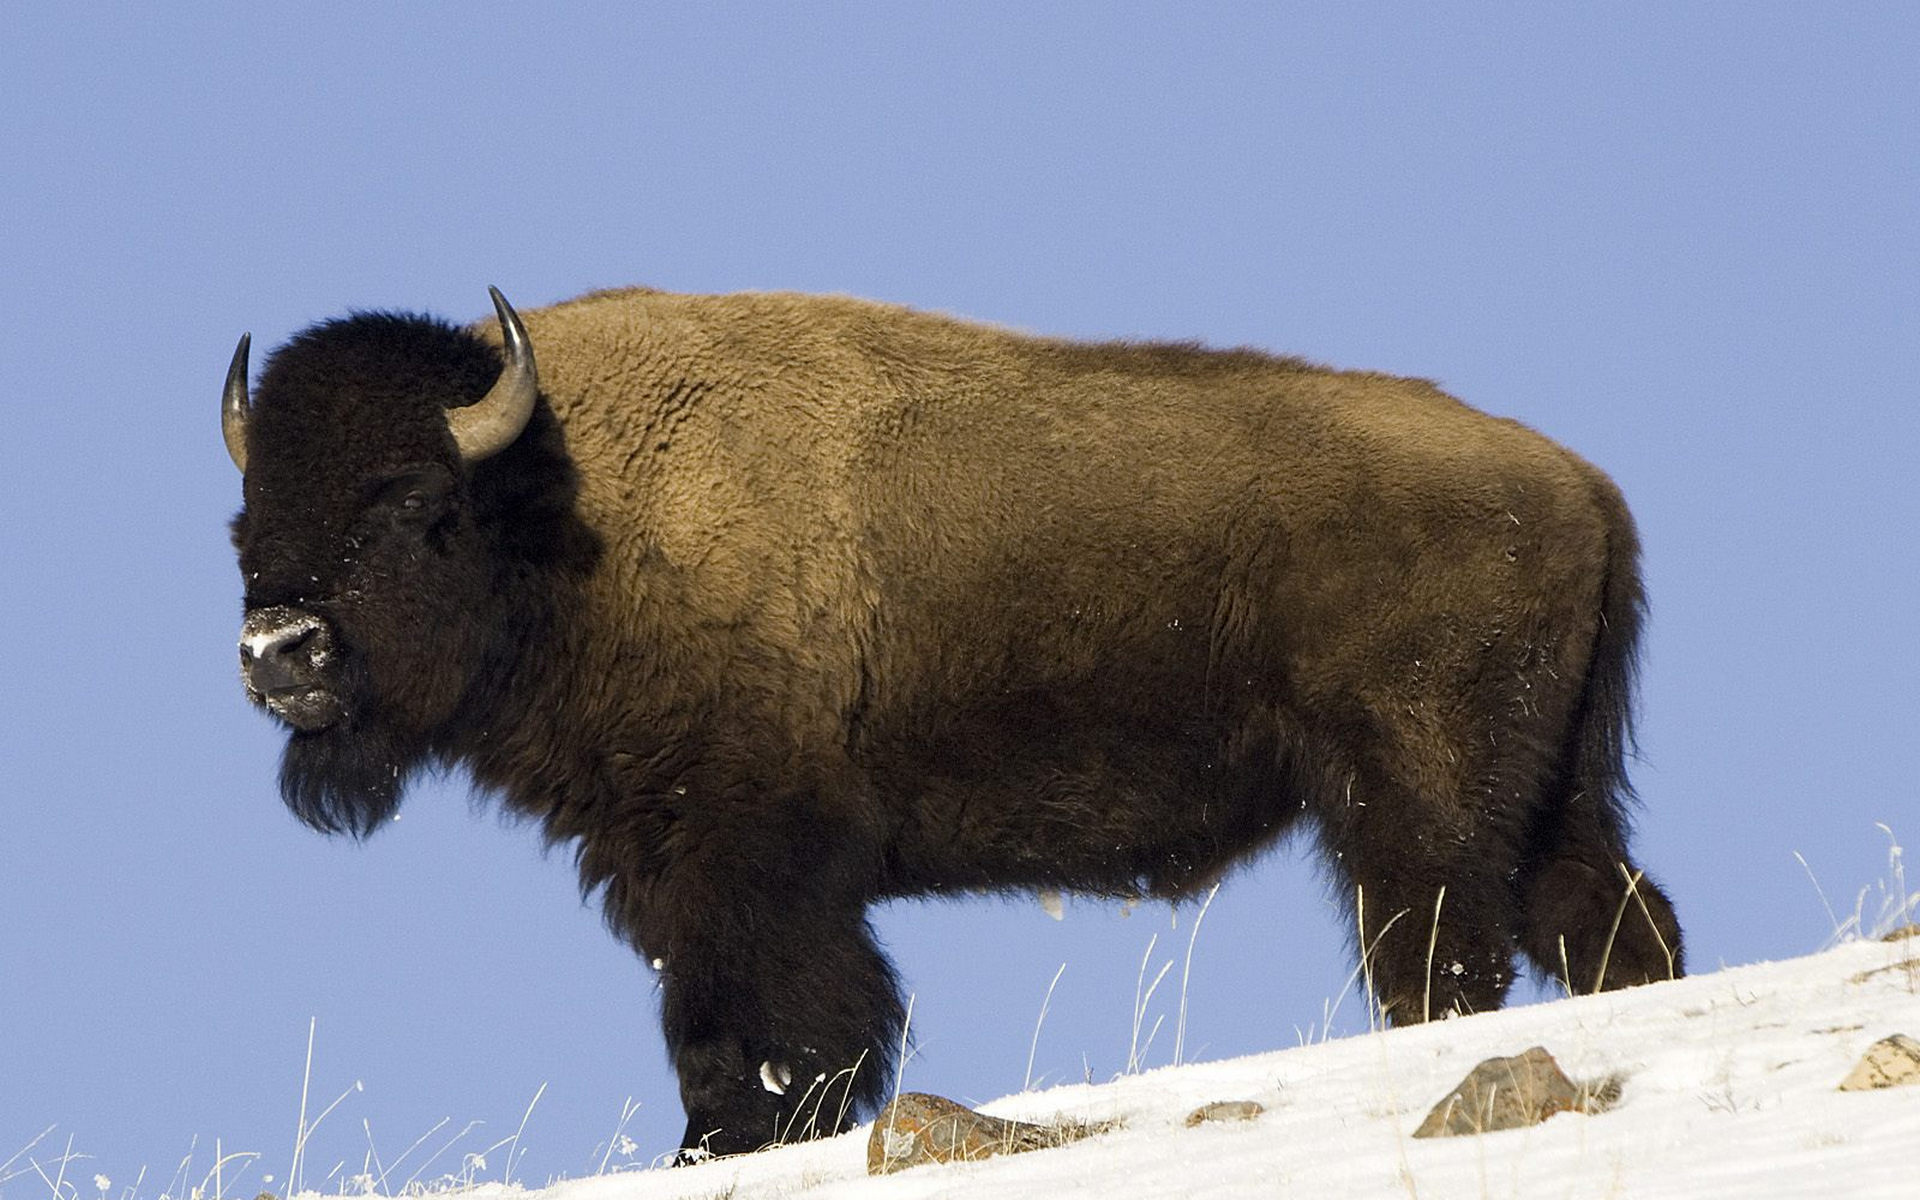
x=772, y=606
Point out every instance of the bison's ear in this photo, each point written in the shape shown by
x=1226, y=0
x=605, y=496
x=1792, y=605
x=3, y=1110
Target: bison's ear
x=484, y=429
x=235, y=403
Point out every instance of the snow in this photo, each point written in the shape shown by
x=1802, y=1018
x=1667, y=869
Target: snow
x=259, y=637
x=1730, y=1089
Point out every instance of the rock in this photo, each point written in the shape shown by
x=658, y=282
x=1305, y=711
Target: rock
x=1512, y=1093
x=1909, y=930
x=1889, y=1062
x=1225, y=1110
x=921, y=1128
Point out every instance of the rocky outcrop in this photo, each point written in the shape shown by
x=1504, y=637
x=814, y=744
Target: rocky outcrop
x=922, y=1128
x=1512, y=1093
x=1890, y=1062
x=1225, y=1110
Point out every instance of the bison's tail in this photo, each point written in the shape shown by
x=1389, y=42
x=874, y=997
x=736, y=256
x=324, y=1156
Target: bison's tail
x=1603, y=731
x=1590, y=916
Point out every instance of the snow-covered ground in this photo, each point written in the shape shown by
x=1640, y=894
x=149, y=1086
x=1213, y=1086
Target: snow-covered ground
x=1730, y=1090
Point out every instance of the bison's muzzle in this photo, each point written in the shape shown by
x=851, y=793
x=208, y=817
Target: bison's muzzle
x=286, y=657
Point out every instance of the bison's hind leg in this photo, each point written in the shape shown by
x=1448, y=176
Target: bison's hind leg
x=1432, y=907
x=1592, y=919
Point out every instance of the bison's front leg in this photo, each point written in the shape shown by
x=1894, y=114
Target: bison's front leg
x=781, y=1015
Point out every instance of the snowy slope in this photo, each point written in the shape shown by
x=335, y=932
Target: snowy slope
x=1730, y=1091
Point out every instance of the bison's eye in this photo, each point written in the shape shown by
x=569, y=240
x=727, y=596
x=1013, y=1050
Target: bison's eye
x=414, y=498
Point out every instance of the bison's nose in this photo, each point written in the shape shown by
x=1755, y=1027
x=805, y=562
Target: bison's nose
x=282, y=648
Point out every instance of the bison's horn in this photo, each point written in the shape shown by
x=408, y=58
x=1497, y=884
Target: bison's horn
x=491, y=425
x=234, y=404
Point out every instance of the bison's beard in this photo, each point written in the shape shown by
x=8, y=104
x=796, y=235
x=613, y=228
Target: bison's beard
x=348, y=777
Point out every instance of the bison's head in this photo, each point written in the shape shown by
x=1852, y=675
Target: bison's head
x=392, y=489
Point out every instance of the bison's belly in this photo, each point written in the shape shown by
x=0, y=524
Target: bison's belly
x=1036, y=791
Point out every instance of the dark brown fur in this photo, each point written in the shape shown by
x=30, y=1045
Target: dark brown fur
x=785, y=604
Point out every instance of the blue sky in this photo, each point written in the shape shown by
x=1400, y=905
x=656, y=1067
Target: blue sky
x=1682, y=239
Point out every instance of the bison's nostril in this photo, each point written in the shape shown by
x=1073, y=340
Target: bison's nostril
x=281, y=649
